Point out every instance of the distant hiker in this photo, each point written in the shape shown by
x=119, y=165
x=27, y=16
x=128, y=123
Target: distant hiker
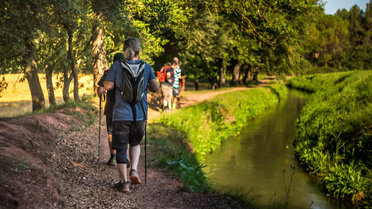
x=178, y=84
x=166, y=87
x=130, y=110
x=109, y=108
x=161, y=76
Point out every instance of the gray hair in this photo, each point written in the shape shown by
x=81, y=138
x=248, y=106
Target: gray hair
x=132, y=47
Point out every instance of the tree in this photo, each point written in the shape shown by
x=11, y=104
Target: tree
x=358, y=54
x=258, y=34
x=21, y=24
x=70, y=17
x=103, y=12
x=327, y=36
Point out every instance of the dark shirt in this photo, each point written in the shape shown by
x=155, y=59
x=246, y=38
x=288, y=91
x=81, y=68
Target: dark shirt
x=166, y=82
x=110, y=99
x=122, y=109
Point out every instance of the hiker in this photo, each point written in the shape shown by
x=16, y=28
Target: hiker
x=109, y=108
x=130, y=110
x=178, y=84
x=163, y=69
x=166, y=87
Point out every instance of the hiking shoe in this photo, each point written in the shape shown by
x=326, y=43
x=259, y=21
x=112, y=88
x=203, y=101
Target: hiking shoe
x=123, y=187
x=112, y=161
x=134, y=178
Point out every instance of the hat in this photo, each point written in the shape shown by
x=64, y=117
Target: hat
x=118, y=57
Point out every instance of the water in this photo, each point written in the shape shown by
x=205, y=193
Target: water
x=253, y=162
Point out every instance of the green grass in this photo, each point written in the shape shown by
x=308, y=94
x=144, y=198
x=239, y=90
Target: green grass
x=334, y=131
x=317, y=82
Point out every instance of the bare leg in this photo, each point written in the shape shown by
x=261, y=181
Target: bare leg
x=135, y=152
x=123, y=172
x=175, y=102
x=110, y=144
x=165, y=102
x=178, y=102
x=128, y=165
x=170, y=103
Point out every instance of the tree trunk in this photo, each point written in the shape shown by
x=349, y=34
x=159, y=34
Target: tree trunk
x=213, y=82
x=49, y=84
x=66, y=84
x=196, y=83
x=246, y=76
x=99, y=61
x=222, y=80
x=236, y=75
x=38, y=100
x=73, y=67
x=255, y=74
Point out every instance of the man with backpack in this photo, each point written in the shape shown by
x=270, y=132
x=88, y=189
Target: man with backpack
x=166, y=82
x=161, y=76
x=131, y=79
x=109, y=108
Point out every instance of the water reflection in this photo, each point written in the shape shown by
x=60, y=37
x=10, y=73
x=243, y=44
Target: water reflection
x=253, y=162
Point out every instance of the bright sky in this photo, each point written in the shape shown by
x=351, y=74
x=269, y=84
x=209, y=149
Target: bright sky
x=333, y=5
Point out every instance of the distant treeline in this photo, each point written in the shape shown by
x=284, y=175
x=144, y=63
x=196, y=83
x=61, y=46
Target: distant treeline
x=223, y=42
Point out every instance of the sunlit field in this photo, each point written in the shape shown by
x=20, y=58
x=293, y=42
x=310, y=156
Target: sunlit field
x=16, y=99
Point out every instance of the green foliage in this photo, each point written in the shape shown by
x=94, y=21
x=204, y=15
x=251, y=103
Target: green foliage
x=358, y=55
x=209, y=123
x=327, y=36
x=20, y=23
x=334, y=135
x=276, y=37
x=184, y=166
x=345, y=180
x=170, y=151
x=260, y=34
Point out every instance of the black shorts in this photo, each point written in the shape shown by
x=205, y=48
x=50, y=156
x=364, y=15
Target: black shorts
x=125, y=132
x=109, y=125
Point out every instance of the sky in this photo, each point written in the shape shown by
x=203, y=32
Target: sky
x=333, y=5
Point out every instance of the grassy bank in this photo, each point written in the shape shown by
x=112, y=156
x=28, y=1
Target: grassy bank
x=334, y=132
x=182, y=139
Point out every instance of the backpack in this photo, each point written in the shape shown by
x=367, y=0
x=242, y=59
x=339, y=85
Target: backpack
x=133, y=82
x=162, y=74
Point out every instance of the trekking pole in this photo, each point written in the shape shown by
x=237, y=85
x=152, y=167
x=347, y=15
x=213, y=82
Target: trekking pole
x=99, y=129
x=145, y=154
